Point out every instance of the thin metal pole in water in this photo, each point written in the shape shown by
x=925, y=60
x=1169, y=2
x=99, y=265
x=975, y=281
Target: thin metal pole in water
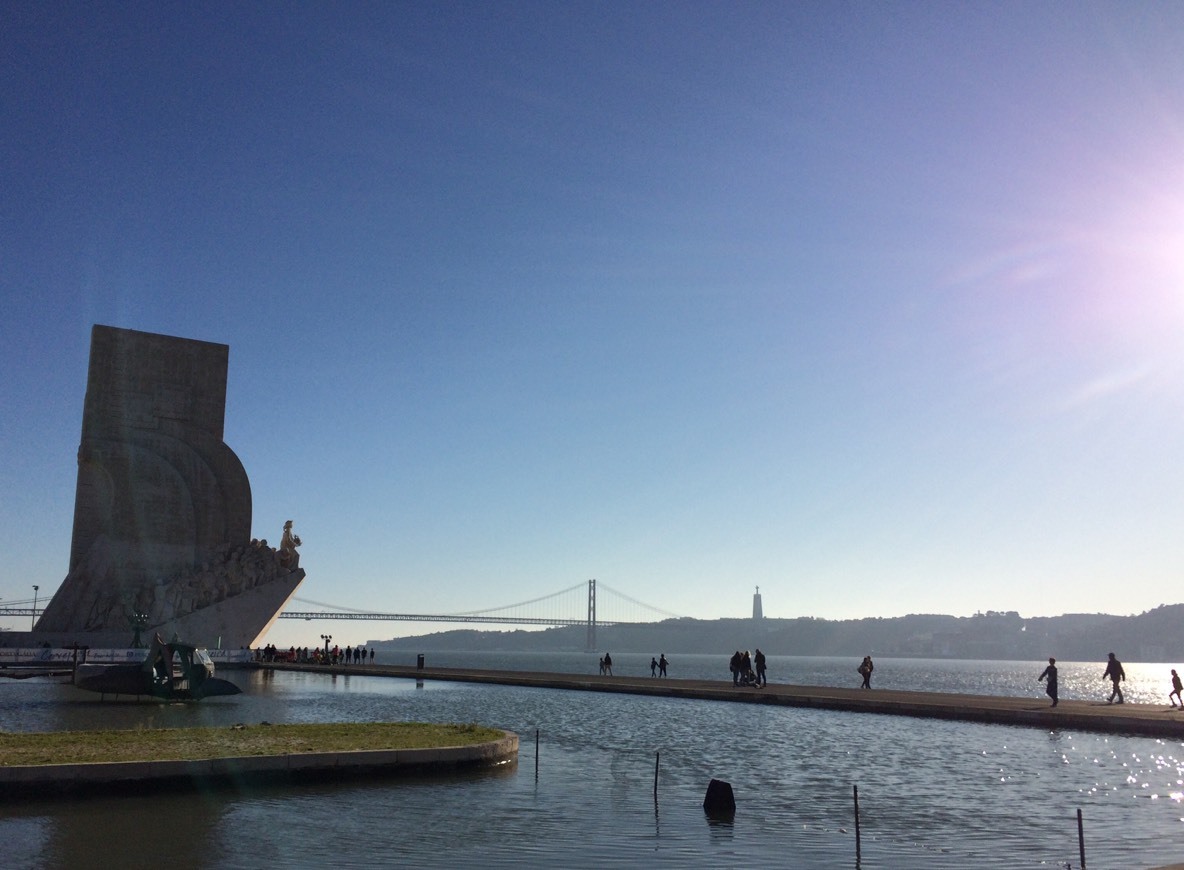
x=536, y=753
x=855, y=791
x=1081, y=839
x=657, y=758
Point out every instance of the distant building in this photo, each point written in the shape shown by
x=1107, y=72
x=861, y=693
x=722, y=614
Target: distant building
x=758, y=612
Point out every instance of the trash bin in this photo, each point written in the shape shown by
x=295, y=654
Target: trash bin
x=419, y=662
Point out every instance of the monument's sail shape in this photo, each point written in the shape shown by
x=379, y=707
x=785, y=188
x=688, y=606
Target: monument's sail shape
x=162, y=512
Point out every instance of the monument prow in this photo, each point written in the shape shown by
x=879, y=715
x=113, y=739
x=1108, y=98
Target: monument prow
x=162, y=510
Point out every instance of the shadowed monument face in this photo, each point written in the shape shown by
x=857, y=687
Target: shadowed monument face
x=162, y=512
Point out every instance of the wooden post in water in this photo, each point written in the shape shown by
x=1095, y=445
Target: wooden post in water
x=855, y=791
x=657, y=758
x=536, y=753
x=1081, y=839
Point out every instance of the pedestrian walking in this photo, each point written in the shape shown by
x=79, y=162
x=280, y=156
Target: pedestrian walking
x=1050, y=673
x=1117, y=675
x=865, y=670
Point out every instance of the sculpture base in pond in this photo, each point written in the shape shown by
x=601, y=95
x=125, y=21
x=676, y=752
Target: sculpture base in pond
x=175, y=671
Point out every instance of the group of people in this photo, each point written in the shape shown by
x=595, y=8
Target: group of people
x=1115, y=674
x=316, y=655
x=657, y=665
x=748, y=669
x=606, y=665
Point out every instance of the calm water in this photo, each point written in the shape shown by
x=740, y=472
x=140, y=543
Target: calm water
x=932, y=794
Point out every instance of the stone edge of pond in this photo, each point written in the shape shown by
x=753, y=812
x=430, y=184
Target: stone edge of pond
x=143, y=777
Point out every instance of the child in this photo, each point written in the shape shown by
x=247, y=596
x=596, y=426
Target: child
x=1176, y=687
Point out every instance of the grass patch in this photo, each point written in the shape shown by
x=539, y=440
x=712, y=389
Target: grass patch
x=191, y=744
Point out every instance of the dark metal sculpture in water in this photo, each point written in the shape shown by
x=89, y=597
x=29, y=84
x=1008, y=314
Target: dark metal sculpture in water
x=174, y=671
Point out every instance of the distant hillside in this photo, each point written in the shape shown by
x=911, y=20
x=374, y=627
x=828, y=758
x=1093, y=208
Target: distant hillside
x=1154, y=636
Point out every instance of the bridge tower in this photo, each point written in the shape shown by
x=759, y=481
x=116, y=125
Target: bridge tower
x=591, y=640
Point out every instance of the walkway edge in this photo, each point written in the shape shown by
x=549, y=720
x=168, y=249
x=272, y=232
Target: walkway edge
x=1145, y=720
x=144, y=776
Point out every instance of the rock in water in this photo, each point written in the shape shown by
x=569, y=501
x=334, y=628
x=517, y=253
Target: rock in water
x=719, y=799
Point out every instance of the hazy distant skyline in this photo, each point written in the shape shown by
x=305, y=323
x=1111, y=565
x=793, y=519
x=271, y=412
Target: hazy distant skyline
x=878, y=307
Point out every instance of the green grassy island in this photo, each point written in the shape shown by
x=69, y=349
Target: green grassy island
x=237, y=741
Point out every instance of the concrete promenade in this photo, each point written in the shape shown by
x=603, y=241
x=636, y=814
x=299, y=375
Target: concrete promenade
x=1149, y=720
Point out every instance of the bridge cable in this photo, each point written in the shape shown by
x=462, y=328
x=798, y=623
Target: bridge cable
x=632, y=600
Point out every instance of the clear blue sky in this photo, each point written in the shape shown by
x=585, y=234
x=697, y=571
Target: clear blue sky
x=879, y=307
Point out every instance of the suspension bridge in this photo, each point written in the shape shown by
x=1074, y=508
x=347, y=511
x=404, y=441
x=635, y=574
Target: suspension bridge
x=576, y=605
x=589, y=604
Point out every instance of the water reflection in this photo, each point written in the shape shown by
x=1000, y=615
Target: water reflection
x=185, y=826
x=720, y=828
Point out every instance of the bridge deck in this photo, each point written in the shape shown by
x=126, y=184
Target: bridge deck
x=1152, y=720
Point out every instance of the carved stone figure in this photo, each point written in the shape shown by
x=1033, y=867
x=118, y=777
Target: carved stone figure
x=288, y=545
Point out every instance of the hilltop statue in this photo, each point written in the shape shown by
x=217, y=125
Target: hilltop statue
x=288, y=545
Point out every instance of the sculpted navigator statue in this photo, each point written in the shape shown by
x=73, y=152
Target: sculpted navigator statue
x=288, y=546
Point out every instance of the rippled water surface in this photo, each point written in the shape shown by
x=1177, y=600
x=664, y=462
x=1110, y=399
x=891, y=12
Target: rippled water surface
x=932, y=794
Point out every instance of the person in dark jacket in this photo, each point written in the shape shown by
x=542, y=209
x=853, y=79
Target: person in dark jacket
x=865, y=670
x=1051, y=674
x=1117, y=675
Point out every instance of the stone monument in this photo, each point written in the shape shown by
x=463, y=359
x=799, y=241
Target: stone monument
x=162, y=511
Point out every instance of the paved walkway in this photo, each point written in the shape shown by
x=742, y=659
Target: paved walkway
x=1153, y=720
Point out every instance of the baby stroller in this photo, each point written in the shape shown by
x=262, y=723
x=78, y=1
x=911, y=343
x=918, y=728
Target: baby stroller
x=748, y=678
